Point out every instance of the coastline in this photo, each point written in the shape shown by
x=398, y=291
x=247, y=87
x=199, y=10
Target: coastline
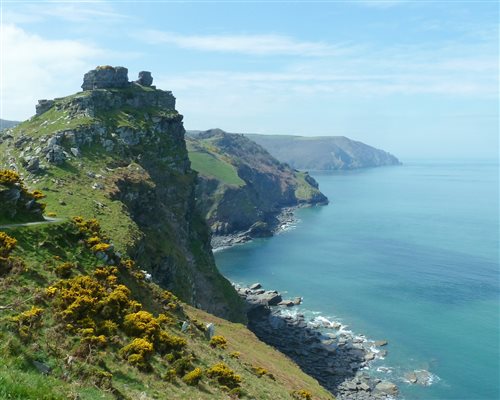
x=339, y=359
x=284, y=220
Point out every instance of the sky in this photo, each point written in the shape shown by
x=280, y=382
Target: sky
x=419, y=79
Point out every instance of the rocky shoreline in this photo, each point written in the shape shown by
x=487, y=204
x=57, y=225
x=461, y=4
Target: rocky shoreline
x=336, y=357
x=281, y=222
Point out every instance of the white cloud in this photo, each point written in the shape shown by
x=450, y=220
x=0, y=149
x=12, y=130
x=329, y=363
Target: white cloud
x=243, y=44
x=69, y=11
x=34, y=67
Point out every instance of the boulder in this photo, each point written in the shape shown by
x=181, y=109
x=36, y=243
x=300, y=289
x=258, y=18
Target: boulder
x=33, y=164
x=423, y=377
x=380, y=343
x=145, y=78
x=43, y=106
x=387, y=388
x=255, y=286
x=286, y=303
x=42, y=368
x=411, y=377
x=55, y=154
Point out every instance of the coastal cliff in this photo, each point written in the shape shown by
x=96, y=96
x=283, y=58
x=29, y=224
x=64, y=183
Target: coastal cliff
x=116, y=151
x=323, y=153
x=241, y=187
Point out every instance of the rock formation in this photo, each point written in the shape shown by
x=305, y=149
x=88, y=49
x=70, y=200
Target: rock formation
x=105, y=77
x=129, y=140
x=145, y=78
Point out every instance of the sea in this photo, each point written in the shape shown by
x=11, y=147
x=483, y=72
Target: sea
x=407, y=254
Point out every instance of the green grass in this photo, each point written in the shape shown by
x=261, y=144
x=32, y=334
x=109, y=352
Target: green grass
x=42, y=248
x=304, y=191
x=209, y=165
x=51, y=121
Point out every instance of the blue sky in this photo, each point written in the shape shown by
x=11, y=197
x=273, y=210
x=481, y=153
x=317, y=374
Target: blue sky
x=419, y=79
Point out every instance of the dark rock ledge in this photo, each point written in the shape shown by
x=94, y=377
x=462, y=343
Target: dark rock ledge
x=282, y=222
x=321, y=348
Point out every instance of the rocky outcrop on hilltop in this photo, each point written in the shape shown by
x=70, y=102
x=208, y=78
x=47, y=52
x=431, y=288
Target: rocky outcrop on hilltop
x=116, y=151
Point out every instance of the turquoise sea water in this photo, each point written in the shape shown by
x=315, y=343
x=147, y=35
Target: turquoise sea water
x=408, y=254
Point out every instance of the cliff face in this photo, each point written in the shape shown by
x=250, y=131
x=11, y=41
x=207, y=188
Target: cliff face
x=117, y=152
x=241, y=186
x=322, y=153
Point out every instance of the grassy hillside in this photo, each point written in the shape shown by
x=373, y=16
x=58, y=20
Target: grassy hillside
x=119, y=155
x=72, y=326
x=323, y=152
x=211, y=164
x=240, y=184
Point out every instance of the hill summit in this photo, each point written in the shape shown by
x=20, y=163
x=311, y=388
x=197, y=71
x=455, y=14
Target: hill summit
x=116, y=152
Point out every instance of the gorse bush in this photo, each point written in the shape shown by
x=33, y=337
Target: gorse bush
x=7, y=244
x=224, y=375
x=27, y=321
x=9, y=177
x=301, y=394
x=192, y=378
x=64, y=270
x=141, y=324
x=138, y=352
x=218, y=341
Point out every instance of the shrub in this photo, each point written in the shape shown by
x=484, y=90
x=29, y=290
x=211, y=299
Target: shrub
x=51, y=214
x=235, y=354
x=224, y=375
x=192, y=378
x=7, y=244
x=89, y=337
x=116, y=302
x=260, y=372
x=218, y=341
x=109, y=327
x=89, y=227
x=182, y=365
x=166, y=342
x=78, y=297
x=141, y=324
x=27, y=320
x=37, y=194
x=9, y=177
x=138, y=352
x=101, y=247
x=170, y=375
x=64, y=270
x=301, y=395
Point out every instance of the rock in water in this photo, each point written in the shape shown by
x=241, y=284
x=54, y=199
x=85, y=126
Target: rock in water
x=255, y=286
x=387, y=387
x=105, y=77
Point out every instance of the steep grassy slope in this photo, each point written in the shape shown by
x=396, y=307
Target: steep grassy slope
x=77, y=321
x=241, y=185
x=120, y=155
x=323, y=152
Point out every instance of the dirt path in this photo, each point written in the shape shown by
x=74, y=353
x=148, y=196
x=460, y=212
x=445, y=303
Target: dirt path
x=47, y=221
